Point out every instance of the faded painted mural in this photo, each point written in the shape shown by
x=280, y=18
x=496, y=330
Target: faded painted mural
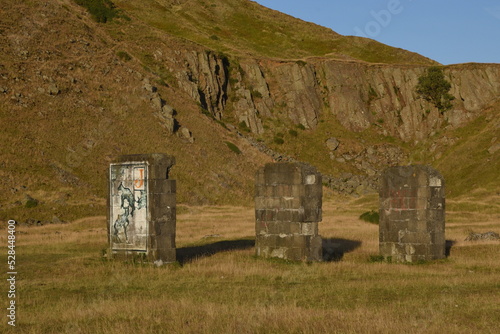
x=129, y=206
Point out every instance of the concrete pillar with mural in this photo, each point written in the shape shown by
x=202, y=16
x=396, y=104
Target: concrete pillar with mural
x=288, y=208
x=412, y=214
x=142, y=208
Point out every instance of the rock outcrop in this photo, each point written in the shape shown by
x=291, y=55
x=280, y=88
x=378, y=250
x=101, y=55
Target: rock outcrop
x=206, y=80
x=358, y=94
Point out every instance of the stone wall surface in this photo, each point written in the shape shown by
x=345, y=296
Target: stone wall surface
x=412, y=214
x=357, y=94
x=288, y=207
x=142, y=207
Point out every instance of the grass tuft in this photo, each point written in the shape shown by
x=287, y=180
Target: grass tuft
x=123, y=55
x=370, y=217
x=101, y=10
x=233, y=147
x=67, y=285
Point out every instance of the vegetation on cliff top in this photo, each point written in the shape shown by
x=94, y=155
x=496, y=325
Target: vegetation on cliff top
x=243, y=27
x=434, y=88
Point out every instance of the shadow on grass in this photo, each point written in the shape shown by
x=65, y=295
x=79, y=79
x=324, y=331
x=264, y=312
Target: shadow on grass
x=187, y=254
x=449, y=245
x=334, y=249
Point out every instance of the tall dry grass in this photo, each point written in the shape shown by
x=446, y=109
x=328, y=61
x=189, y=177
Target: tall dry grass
x=66, y=286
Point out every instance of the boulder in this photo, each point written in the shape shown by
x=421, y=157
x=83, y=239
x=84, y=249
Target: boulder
x=332, y=144
x=184, y=133
x=53, y=89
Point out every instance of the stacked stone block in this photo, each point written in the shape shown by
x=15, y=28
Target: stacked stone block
x=412, y=214
x=288, y=202
x=148, y=231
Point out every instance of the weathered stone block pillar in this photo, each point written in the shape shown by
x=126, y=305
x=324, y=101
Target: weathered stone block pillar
x=412, y=214
x=288, y=207
x=142, y=207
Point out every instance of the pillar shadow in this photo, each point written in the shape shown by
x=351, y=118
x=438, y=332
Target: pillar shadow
x=335, y=248
x=449, y=245
x=187, y=254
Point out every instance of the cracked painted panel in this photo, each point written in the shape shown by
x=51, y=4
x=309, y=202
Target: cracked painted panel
x=129, y=206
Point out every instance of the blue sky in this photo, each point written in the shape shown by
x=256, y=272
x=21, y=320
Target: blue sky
x=448, y=31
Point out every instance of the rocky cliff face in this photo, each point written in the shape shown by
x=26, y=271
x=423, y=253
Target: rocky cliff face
x=205, y=80
x=358, y=94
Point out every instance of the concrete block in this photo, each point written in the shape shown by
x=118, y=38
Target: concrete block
x=297, y=215
x=436, y=192
x=163, y=201
x=283, y=190
x=424, y=192
x=408, y=237
x=412, y=207
x=385, y=248
x=290, y=202
x=268, y=240
x=287, y=216
x=438, y=251
x=295, y=254
x=436, y=203
x=279, y=228
x=162, y=186
x=278, y=252
x=260, y=190
x=166, y=255
x=141, y=207
x=265, y=215
x=261, y=228
x=284, y=215
x=295, y=227
x=313, y=214
x=309, y=229
x=438, y=238
x=260, y=178
x=298, y=190
x=277, y=178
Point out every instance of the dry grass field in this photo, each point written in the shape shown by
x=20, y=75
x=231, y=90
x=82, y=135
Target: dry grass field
x=65, y=285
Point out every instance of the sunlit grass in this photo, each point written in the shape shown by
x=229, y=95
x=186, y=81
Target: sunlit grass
x=65, y=284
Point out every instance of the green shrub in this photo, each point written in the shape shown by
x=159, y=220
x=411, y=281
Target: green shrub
x=370, y=217
x=434, y=88
x=31, y=203
x=301, y=127
x=123, y=55
x=206, y=112
x=278, y=140
x=243, y=126
x=293, y=133
x=233, y=147
x=256, y=94
x=100, y=10
x=376, y=258
x=379, y=259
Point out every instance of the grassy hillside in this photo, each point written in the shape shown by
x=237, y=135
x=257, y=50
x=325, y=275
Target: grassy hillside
x=71, y=102
x=472, y=165
x=72, y=97
x=243, y=27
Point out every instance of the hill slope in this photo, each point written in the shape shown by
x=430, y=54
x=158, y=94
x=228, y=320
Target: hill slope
x=245, y=28
x=75, y=93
